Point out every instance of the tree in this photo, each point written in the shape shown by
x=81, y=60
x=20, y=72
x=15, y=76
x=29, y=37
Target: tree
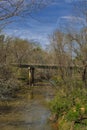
x=21, y=50
x=76, y=37
x=12, y=8
x=60, y=51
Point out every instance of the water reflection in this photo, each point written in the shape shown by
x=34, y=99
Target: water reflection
x=26, y=114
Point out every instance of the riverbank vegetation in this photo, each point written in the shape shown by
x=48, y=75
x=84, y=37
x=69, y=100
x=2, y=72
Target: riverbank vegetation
x=70, y=106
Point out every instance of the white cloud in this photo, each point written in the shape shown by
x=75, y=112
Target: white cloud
x=73, y=18
x=70, y=1
x=70, y=19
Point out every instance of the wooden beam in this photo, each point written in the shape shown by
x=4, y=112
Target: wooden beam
x=44, y=66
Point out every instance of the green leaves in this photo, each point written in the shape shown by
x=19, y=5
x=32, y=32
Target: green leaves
x=71, y=103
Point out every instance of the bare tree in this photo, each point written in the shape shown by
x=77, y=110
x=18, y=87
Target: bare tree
x=60, y=51
x=60, y=47
x=11, y=8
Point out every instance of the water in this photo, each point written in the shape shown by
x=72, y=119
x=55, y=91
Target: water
x=25, y=113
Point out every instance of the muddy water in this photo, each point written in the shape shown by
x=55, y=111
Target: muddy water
x=27, y=113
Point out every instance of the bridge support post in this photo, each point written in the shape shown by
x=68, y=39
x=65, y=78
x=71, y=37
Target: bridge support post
x=31, y=76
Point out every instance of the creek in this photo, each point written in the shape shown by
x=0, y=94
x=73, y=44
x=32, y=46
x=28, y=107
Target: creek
x=28, y=112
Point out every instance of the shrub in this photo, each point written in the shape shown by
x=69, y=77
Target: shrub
x=70, y=103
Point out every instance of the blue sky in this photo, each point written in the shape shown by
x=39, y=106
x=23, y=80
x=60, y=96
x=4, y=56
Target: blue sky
x=43, y=22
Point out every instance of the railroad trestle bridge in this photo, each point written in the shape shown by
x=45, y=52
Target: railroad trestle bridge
x=31, y=69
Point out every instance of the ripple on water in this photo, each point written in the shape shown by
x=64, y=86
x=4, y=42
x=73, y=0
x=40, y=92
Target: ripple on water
x=27, y=114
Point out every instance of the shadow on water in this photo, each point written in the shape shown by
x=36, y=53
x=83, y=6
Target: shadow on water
x=26, y=114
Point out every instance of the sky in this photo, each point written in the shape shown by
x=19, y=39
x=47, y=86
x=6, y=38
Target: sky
x=43, y=23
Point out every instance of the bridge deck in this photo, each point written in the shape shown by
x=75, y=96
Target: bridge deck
x=44, y=66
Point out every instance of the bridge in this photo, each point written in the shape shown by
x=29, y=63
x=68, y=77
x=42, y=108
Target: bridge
x=46, y=66
x=31, y=69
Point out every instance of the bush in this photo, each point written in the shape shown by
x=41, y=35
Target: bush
x=8, y=88
x=70, y=103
